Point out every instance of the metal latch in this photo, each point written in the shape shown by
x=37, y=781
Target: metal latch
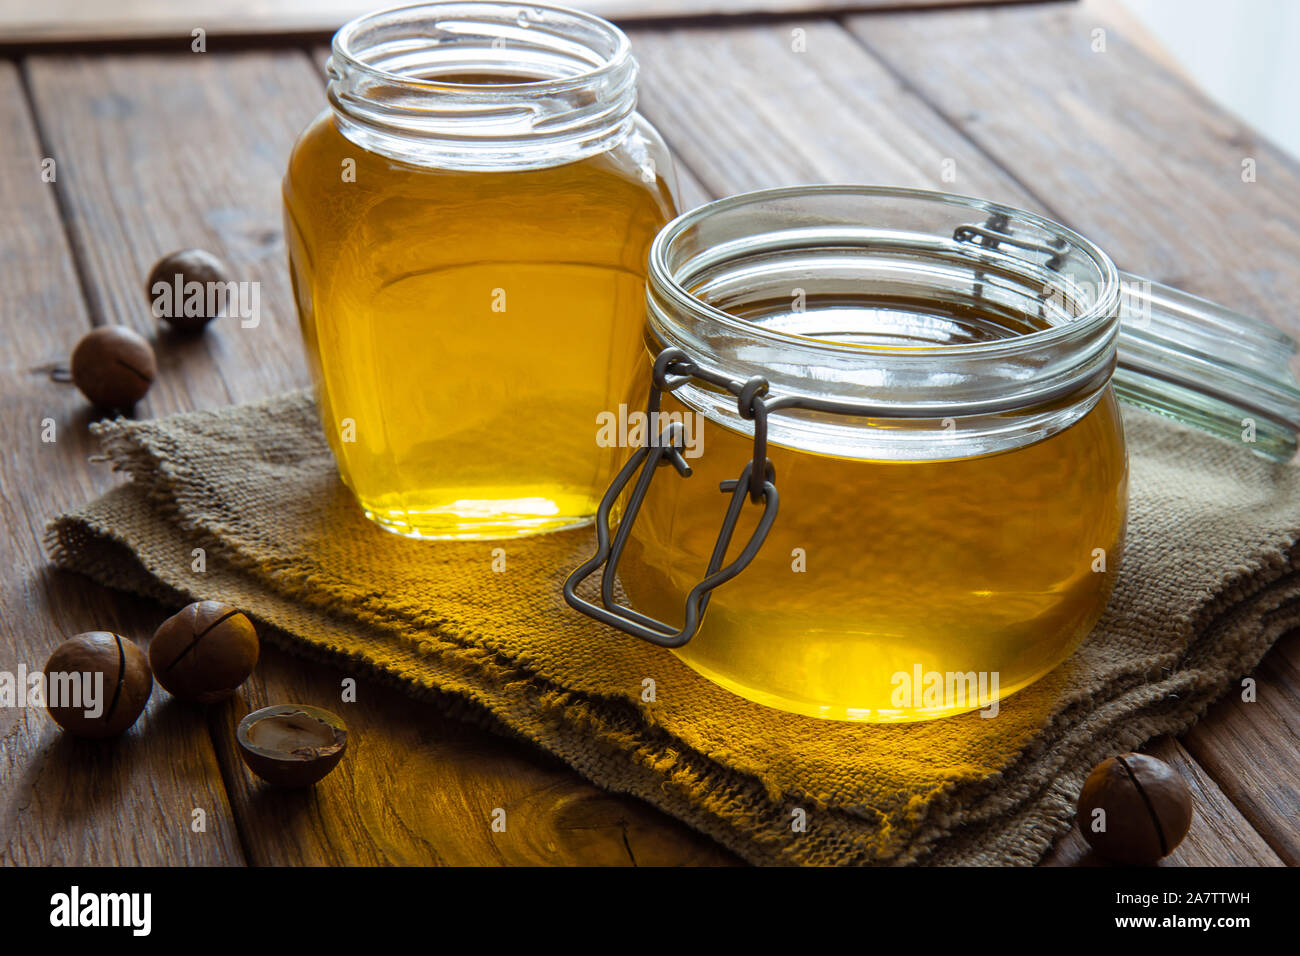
x=757, y=480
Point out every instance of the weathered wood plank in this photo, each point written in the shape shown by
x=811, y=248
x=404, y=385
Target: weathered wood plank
x=76, y=21
x=64, y=801
x=418, y=788
x=1220, y=835
x=1112, y=144
x=1117, y=147
x=159, y=152
x=784, y=103
x=749, y=108
x=1252, y=750
x=164, y=151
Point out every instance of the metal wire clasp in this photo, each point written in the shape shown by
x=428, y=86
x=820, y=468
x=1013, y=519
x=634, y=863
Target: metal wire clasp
x=996, y=232
x=757, y=479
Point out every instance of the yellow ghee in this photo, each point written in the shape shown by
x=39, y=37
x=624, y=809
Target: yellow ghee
x=892, y=590
x=466, y=327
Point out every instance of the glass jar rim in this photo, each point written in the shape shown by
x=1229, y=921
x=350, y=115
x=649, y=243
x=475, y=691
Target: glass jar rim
x=340, y=46
x=1101, y=311
x=396, y=84
x=892, y=265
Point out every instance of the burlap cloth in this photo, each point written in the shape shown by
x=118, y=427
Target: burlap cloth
x=1208, y=583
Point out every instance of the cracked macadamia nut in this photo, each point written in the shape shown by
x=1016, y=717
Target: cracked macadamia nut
x=204, y=651
x=186, y=289
x=291, y=745
x=1134, y=809
x=113, y=366
x=97, y=684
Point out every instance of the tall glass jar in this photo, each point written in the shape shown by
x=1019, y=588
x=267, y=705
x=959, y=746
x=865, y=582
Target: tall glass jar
x=468, y=223
x=905, y=400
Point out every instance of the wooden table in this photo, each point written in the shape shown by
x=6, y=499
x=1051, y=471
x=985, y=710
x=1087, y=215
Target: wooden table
x=156, y=147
